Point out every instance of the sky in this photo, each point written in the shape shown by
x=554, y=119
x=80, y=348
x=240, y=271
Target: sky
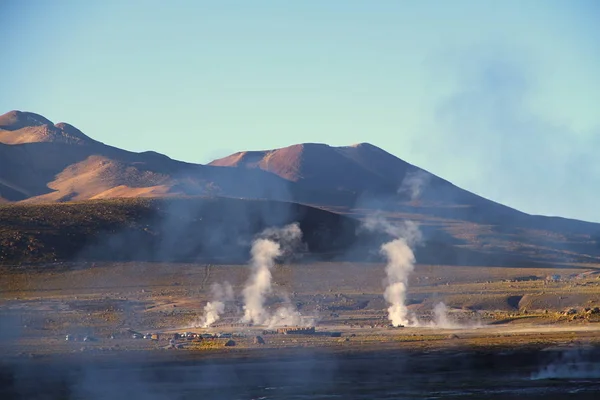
x=499, y=97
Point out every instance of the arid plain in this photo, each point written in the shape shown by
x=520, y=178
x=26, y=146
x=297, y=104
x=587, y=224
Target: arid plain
x=506, y=322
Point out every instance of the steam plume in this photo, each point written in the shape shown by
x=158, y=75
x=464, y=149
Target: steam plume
x=213, y=309
x=407, y=230
x=441, y=319
x=263, y=253
x=400, y=263
x=414, y=183
x=579, y=363
x=271, y=244
x=287, y=315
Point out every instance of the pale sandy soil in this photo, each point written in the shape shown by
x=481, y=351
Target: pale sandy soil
x=46, y=303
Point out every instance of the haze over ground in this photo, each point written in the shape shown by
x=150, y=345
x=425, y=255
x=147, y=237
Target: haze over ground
x=498, y=98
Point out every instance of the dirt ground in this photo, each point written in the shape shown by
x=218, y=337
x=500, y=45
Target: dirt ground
x=494, y=309
x=53, y=300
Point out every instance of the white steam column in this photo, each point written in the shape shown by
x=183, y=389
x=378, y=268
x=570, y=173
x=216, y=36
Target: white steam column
x=401, y=262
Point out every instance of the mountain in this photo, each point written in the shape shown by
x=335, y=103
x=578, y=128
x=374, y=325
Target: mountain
x=362, y=171
x=45, y=162
x=375, y=179
x=42, y=162
x=18, y=127
x=352, y=169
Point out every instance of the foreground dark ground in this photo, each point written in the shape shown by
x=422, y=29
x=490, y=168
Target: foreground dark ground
x=448, y=373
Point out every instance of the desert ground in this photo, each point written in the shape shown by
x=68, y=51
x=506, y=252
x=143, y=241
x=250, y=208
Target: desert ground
x=507, y=325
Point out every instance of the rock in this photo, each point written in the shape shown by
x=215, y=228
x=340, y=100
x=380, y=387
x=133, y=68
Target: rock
x=453, y=336
x=230, y=343
x=259, y=340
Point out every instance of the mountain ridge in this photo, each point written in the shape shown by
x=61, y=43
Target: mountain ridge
x=17, y=127
x=41, y=162
x=356, y=180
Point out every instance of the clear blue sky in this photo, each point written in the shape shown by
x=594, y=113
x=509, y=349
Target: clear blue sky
x=499, y=97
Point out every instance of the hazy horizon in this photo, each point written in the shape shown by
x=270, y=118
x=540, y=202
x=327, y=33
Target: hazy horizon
x=498, y=98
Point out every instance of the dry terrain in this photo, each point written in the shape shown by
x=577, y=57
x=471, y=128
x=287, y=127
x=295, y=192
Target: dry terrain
x=105, y=299
x=510, y=321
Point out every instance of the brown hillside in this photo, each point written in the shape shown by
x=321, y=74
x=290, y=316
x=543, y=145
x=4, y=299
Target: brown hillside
x=45, y=162
x=101, y=177
x=18, y=127
x=195, y=228
x=353, y=169
x=371, y=176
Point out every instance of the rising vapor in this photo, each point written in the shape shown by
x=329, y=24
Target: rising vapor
x=441, y=318
x=213, y=309
x=414, y=183
x=287, y=315
x=407, y=230
x=401, y=262
x=263, y=252
x=271, y=244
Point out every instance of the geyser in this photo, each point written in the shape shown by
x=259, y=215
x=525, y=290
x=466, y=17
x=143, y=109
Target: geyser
x=401, y=262
x=213, y=309
x=441, y=319
x=263, y=253
x=271, y=244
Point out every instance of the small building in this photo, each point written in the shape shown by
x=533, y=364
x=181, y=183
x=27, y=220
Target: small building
x=296, y=330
